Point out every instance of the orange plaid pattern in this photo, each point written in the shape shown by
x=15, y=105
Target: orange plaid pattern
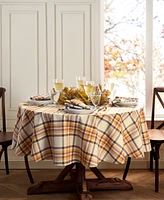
x=110, y=136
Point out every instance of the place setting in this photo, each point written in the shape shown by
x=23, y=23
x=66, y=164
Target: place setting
x=125, y=101
x=114, y=99
x=50, y=98
x=40, y=99
x=93, y=97
x=75, y=106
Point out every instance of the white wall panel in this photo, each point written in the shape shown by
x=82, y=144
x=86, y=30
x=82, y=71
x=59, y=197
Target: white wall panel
x=23, y=28
x=24, y=64
x=73, y=42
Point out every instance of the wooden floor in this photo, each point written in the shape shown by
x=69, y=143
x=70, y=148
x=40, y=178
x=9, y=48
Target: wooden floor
x=14, y=186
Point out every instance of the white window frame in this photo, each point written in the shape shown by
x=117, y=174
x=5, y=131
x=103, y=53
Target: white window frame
x=149, y=57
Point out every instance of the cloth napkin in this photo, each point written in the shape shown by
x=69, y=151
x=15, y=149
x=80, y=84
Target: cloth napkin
x=76, y=104
x=125, y=99
x=41, y=97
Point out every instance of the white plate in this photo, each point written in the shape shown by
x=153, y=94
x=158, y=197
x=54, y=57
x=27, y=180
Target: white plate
x=78, y=111
x=126, y=103
x=39, y=102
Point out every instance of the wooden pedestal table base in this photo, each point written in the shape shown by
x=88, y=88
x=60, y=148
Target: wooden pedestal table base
x=78, y=183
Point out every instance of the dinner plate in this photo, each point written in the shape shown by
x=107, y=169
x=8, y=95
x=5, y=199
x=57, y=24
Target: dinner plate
x=39, y=102
x=126, y=103
x=79, y=111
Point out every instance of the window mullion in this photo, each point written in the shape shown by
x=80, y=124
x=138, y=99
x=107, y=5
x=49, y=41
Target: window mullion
x=149, y=55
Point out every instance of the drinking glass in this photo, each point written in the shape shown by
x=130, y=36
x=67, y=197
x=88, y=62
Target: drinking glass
x=54, y=96
x=80, y=81
x=95, y=96
x=109, y=85
x=88, y=87
x=58, y=84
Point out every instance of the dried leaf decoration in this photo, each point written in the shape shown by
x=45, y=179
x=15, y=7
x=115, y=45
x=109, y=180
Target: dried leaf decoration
x=73, y=93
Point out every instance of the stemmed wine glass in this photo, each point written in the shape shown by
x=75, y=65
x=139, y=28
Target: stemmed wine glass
x=88, y=87
x=109, y=85
x=58, y=84
x=57, y=88
x=80, y=81
x=95, y=96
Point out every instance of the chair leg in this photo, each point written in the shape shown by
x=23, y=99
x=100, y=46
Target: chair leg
x=1, y=152
x=28, y=169
x=157, y=167
x=151, y=157
x=6, y=159
x=126, y=168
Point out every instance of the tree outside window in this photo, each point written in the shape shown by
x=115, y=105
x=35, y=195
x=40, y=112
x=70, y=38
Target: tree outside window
x=125, y=45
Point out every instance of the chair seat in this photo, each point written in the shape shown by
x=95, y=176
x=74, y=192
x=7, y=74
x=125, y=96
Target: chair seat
x=6, y=137
x=156, y=134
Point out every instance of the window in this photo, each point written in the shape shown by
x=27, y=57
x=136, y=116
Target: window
x=134, y=46
x=158, y=47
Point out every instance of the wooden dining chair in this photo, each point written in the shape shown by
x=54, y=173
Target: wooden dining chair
x=6, y=138
x=156, y=136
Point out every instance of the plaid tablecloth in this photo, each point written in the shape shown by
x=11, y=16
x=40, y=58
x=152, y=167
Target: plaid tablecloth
x=46, y=132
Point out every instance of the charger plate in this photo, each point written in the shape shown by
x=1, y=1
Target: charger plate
x=126, y=103
x=39, y=102
x=79, y=111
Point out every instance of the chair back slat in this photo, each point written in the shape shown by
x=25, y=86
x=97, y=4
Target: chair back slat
x=2, y=97
x=160, y=126
x=159, y=98
x=157, y=93
x=153, y=110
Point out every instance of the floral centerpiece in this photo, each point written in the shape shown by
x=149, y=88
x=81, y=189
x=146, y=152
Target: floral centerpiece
x=73, y=93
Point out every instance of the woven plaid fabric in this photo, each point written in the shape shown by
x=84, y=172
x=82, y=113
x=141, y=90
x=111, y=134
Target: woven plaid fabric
x=110, y=136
